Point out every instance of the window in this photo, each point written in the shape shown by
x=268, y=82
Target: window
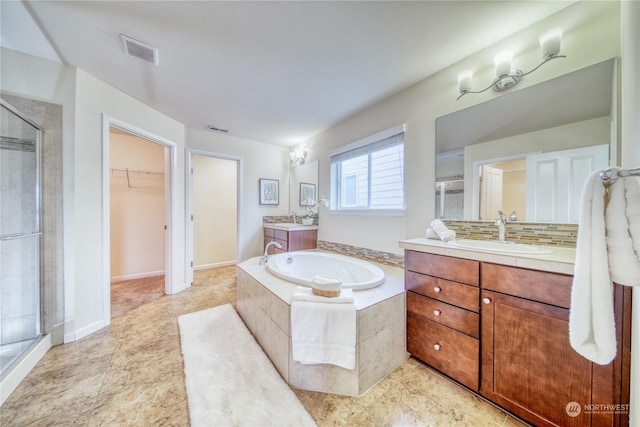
x=369, y=174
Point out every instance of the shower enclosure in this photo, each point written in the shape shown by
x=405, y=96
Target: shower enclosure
x=20, y=237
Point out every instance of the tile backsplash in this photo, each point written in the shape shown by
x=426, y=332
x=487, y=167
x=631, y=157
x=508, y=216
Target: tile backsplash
x=547, y=234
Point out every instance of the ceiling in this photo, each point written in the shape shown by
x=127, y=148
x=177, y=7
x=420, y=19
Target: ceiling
x=277, y=72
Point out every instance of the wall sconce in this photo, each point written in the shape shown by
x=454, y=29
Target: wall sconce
x=298, y=156
x=506, y=78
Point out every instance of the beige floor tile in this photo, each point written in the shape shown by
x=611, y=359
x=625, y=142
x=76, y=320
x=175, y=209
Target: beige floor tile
x=131, y=374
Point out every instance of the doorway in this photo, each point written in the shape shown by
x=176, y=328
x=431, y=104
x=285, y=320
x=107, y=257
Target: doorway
x=212, y=211
x=139, y=247
x=137, y=220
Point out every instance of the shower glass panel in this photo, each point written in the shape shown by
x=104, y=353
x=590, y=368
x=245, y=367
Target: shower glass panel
x=20, y=234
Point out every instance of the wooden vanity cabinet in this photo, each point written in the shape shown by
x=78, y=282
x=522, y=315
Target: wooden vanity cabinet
x=443, y=321
x=528, y=365
x=292, y=240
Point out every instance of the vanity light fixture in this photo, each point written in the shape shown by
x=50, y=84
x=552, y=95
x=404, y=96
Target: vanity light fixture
x=506, y=77
x=298, y=157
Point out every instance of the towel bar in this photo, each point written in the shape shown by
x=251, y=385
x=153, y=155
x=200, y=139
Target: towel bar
x=613, y=173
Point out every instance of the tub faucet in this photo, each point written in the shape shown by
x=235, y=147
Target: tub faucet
x=265, y=257
x=501, y=222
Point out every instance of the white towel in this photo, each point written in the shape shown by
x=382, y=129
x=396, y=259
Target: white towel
x=432, y=234
x=323, y=330
x=444, y=233
x=591, y=319
x=326, y=283
x=623, y=231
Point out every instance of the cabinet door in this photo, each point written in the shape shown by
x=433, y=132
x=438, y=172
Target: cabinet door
x=528, y=365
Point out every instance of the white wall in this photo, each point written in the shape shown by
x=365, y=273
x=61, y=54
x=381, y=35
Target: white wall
x=137, y=207
x=215, y=204
x=259, y=160
x=630, y=158
x=587, y=42
x=94, y=99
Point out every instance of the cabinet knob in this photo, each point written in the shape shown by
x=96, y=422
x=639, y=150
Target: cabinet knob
x=486, y=300
x=436, y=312
x=436, y=347
x=437, y=289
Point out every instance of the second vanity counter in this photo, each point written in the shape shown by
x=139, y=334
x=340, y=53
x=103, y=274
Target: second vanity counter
x=560, y=260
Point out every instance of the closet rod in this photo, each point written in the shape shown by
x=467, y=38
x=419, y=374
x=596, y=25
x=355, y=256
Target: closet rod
x=127, y=170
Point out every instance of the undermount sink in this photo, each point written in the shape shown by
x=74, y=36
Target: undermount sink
x=501, y=247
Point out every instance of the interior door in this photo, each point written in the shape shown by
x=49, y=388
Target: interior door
x=490, y=192
x=555, y=181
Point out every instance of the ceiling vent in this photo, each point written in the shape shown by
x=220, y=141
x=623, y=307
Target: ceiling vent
x=139, y=50
x=217, y=129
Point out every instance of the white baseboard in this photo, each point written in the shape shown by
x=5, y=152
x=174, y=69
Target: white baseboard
x=179, y=288
x=137, y=276
x=214, y=265
x=87, y=330
x=22, y=369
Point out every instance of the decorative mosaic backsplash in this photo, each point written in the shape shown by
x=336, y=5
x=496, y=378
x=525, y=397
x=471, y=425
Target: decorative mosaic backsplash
x=283, y=218
x=363, y=253
x=564, y=235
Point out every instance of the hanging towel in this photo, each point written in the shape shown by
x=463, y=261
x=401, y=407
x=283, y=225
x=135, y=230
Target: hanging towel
x=623, y=231
x=323, y=330
x=444, y=233
x=591, y=318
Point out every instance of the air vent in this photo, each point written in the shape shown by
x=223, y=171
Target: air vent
x=217, y=129
x=139, y=50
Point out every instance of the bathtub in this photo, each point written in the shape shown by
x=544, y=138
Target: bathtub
x=300, y=267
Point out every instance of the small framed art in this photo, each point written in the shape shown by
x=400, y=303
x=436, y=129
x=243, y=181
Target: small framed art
x=307, y=194
x=269, y=191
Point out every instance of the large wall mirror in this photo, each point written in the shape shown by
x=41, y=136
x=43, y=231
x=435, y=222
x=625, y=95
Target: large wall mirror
x=527, y=152
x=303, y=186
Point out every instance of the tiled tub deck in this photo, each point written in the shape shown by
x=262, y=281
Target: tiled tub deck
x=264, y=303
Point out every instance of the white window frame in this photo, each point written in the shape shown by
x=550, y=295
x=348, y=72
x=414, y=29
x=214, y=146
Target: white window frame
x=346, y=210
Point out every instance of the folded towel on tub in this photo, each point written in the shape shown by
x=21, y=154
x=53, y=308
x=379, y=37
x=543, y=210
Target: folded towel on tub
x=323, y=330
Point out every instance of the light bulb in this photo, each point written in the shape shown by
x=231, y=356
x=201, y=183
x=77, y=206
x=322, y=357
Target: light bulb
x=503, y=63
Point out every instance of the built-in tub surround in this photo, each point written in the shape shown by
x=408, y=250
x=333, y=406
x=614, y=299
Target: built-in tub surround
x=264, y=303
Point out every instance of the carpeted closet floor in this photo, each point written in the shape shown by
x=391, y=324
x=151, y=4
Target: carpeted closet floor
x=131, y=373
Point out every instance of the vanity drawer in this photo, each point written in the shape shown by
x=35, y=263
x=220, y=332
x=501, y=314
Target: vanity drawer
x=269, y=232
x=456, y=318
x=453, y=353
x=464, y=296
x=456, y=269
x=541, y=286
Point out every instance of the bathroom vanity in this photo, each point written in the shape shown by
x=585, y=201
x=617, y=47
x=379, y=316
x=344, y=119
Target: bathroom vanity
x=499, y=325
x=292, y=237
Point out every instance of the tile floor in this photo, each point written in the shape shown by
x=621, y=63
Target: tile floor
x=130, y=373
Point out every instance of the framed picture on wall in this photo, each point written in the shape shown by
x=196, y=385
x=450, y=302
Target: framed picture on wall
x=269, y=191
x=307, y=194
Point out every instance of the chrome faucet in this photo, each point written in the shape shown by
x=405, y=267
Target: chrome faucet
x=293, y=215
x=265, y=257
x=501, y=222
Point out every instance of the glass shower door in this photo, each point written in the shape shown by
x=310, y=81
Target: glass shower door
x=20, y=234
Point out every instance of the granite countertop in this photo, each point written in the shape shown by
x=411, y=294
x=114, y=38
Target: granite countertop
x=290, y=226
x=560, y=260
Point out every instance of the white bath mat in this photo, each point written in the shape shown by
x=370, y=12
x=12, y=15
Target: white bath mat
x=229, y=379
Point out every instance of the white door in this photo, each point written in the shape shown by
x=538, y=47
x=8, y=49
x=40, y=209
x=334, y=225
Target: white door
x=490, y=192
x=555, y=181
